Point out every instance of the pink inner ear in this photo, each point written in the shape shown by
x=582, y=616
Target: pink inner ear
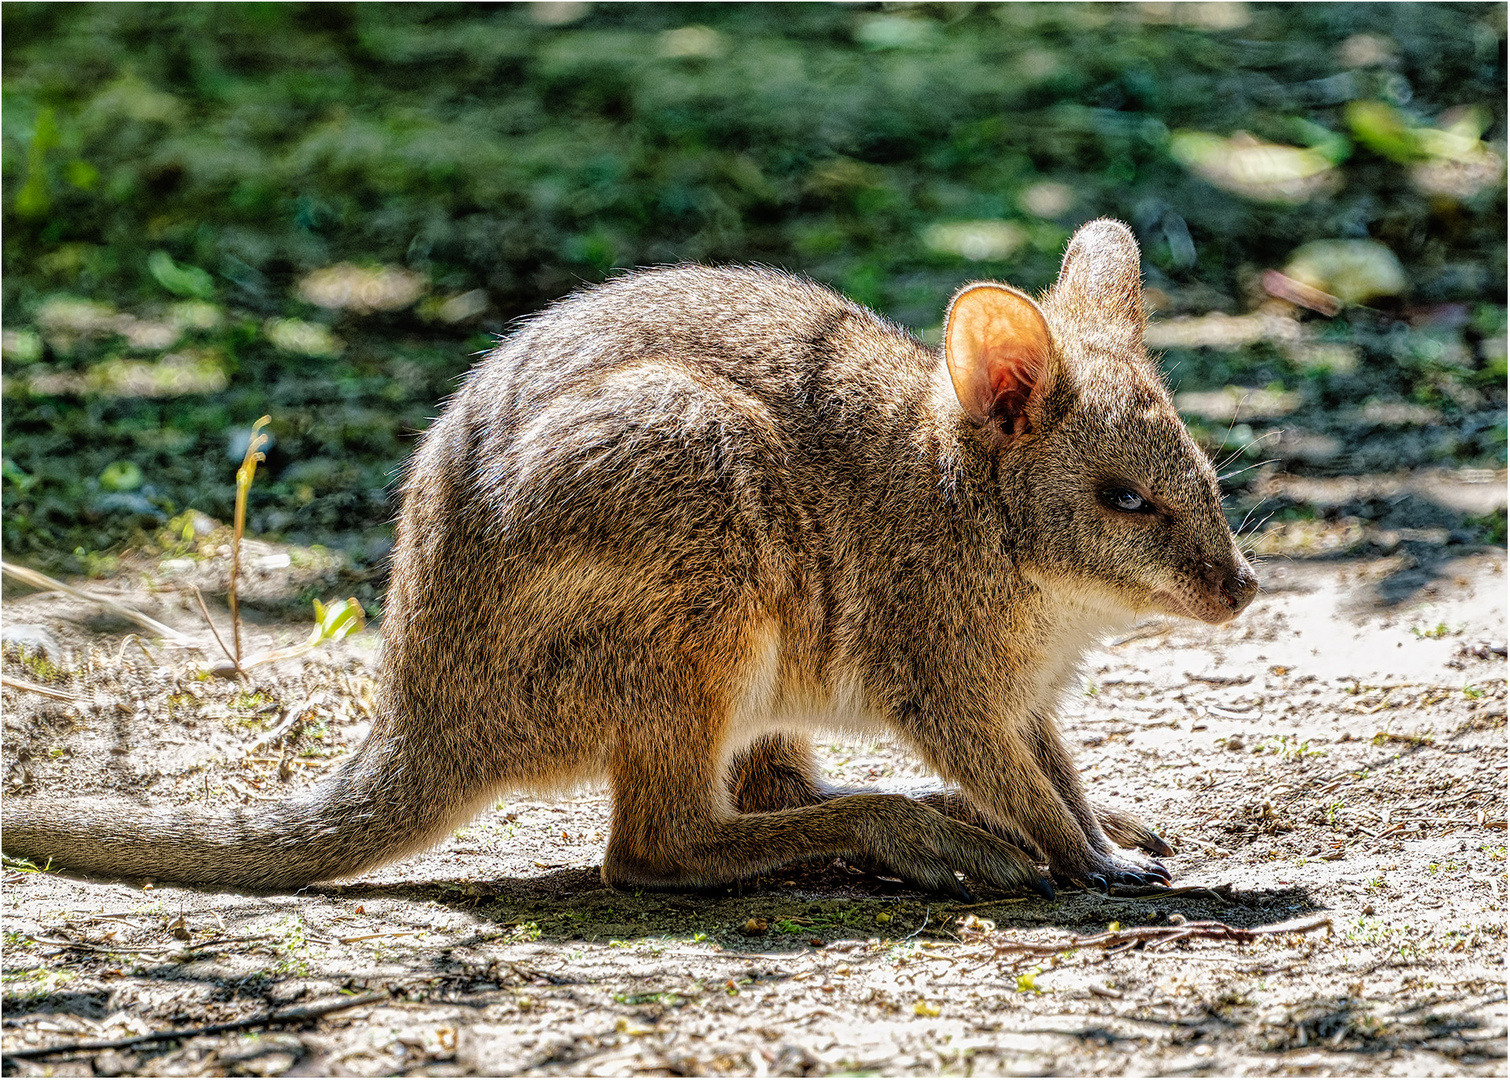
x=1014, y=372
x=997, y=345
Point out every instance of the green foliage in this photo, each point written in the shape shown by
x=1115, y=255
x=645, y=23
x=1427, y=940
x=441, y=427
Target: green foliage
x=180, y=280
x=175, y=173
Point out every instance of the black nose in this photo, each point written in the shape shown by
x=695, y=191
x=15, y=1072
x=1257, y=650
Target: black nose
x=1239, y=588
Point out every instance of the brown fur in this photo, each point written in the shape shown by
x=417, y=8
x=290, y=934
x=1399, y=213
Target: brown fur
x=681, y=520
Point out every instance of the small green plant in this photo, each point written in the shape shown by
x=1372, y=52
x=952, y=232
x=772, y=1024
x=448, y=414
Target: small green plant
x=33, y=984
x=97, y=564
x=26, y=866
x=1287, y=746
x=295, y=947
x=1436, y=632
x=42, y=668
x=1471, y=692
x=244, y=475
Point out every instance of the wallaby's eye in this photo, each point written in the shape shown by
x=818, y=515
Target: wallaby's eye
x=1126, y=500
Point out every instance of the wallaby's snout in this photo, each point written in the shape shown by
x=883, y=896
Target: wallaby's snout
x=1239, y=587
x=1221, y=595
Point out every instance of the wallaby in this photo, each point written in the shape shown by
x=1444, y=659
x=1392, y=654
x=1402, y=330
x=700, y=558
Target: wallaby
x=680, y=521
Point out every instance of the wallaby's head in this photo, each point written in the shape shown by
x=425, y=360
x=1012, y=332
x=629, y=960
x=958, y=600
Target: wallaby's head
x=1115, y=502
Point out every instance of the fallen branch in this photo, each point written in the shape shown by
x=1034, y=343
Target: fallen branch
x=282, y=1016
x=1156, y=936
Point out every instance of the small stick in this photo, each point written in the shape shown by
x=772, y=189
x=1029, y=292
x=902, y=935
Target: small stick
x=291, y=720
x=1413, y=740
x=1220, y=680
x=206, y=613
x=1149, y=892
x=214, y=942
x=283, y=1016
x=1117, y=940
x=86, y=947
x=33, y=688
x=989, y=903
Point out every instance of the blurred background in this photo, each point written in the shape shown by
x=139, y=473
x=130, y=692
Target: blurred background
x=323, y=212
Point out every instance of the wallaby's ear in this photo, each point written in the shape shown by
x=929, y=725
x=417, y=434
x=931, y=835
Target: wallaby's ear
x=1100, y=280
x=997, y=345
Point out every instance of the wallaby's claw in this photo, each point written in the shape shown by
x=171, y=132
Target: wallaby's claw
x=1129, y=878
x=1044, y=889
x=1147, y=867
x=1122, y=868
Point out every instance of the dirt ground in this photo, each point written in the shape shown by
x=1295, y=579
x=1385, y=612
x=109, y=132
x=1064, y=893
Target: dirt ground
x=1337, y=754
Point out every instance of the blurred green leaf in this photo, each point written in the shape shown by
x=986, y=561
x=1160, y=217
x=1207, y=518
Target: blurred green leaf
x=121, y=476
x=180, y=279
x=1384, y=129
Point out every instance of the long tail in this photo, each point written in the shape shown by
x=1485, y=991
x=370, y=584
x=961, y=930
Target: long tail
x=379, y=806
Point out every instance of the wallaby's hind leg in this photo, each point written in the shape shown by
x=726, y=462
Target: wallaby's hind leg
x=776, y=772
x=673, y=826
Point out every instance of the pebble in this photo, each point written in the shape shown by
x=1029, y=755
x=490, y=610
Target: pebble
x=31, y=636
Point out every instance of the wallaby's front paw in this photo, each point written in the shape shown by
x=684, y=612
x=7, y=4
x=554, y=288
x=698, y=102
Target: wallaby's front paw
x=1127, y=831
x=1102, y=871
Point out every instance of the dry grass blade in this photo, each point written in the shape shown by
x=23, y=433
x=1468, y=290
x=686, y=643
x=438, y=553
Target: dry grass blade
x=41, y=581
x=33, y=688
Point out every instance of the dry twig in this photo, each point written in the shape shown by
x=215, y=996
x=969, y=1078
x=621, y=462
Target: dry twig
x=1159, y=936
x=34, y=688
x=312, y=1011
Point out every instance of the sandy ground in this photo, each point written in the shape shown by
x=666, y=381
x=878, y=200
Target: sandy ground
x=1336, y=757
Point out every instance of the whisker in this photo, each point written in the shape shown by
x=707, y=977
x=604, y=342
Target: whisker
x=1254, y=532
x=1251, y=510
x=1250, y=468
x=1244, y=449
